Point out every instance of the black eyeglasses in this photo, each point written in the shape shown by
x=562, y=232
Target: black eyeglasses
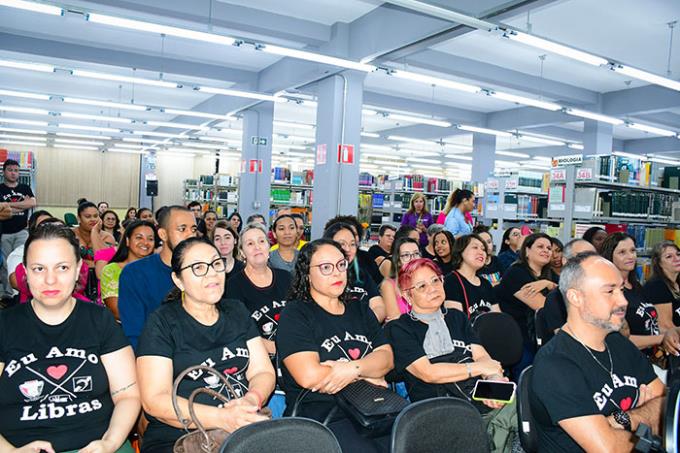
x=406, y=257
x=200, y=269
x=327, y=268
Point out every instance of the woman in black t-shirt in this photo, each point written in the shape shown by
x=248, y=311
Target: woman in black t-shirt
x=464, y=289
x=196, y=326
x=663, y=289
x=326, y=342
x=67, y=372
x=443, y=245
x=225, y=239
x=362, y=288
x=641, y=316
x=439, y=353
x=492, y=268
x=261, y=288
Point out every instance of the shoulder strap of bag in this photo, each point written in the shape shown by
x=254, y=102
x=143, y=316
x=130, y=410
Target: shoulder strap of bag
x=467, y=303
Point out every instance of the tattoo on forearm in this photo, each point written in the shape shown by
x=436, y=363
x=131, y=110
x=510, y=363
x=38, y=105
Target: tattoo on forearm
x=122, y=389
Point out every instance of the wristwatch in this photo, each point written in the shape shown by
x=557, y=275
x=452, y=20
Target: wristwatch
x=623, y=419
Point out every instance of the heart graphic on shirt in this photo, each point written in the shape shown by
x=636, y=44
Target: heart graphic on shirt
x=626, y=403
x=277, y=316
x=653, y=313
x=231, y=370
x=57, y=371
x=354, y=353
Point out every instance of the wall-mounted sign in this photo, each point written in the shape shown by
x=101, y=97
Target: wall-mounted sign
x=346, y=154
x=573, y=159
x=321, y=154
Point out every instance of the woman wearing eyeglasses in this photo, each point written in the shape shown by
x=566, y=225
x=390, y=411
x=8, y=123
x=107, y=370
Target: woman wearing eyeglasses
x=197, y=326
x=404, y=250
x=261, y=288
x=440, y=355
x=325, y=342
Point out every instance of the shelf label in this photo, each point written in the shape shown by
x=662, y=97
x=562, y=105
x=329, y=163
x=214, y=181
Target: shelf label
x=492, y=184
x=584, y=174
x=557, y=207
x=510, y=208
x=511, y=184
x=321, y=154
x=346, y=154
x=573, y=159
x=558, y=174
x=583, y=208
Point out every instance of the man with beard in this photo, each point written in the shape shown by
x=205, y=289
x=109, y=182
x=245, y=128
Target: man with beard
x=144, y=283
x=591, y=387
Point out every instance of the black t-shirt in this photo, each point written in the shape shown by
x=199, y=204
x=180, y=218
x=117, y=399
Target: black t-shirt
x=306, y=327
x=362, y=289
x=18, y=221
x=238, y=267
x=446, y=268
x=567, y=383
x=641, y=316
x=513, y=280
x=376, y=251
x=479, y=298
x=554, y=312
x=368, y=263
x=407, y=336
x=657, y=292
x=265, y=304
x=54, y=386
x=425, y=254
x=492, y=271
x=173, y=333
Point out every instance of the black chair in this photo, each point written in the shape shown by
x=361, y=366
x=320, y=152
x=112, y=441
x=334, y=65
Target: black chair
x=439, y=424
x=672, y=418
x=501, y=337
x=542, y=336
x=283, y=435
x=673, y=370
x=525, y=419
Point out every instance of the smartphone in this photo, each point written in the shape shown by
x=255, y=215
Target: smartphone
x=502, y=392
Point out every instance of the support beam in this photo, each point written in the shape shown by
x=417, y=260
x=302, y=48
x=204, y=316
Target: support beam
x=484, y=153
x=453, y=114
x=521, y=117
x=597, y=137
x=641, y=100
x=651, y=145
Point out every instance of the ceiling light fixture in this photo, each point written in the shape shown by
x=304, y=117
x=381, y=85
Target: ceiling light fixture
x=88, y=128
x=126, y=151
x=114, y=105
x=430, y=80
x=241, y=94
x=594, y=116
x=513, y=154
x=575, y=146
x=27, y=66
x=23, y=94
x=143, y=140
x=177, y=125
x=96, y=137
x=483, y=130
x=157, y=134
x=646, y=76
x=18, y=142
x=188, y=150
x=450, y=156
x=22, y=131
x=417, y=141
x=370, y=135
x=20, y=121
x=78, y=142
x=422, y=160
x=121, y=78
x=20, y=137
x=651, y=129
x=200, y=114
x=28, y=110
x=32, y=6
x=315, y=57
x=282, y=146
x=418, y=120
x=549, y=46
x=91, y=148
x=525, y=101
x=545, y=141
x=85, y=116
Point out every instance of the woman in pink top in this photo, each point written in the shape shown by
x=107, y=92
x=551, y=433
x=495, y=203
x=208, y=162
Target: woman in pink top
x=404, y=250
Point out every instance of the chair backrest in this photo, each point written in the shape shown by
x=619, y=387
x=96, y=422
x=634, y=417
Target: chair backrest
x=501, y=337
x=541, y=330
x=526, y=424
x=283, y=435
x=70, y=219
x=672, y=418
x=420, y=428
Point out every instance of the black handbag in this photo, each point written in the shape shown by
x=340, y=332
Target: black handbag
x=372, y=407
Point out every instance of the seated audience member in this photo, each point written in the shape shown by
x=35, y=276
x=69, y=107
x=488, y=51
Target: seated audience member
x=111, y=224
x=385, y=267
x=144, y=283
x=554, y=309
x=210, y=219
x=458, y=207
x=492, y=268
x=260, y=287
x=236, y=221
x=663, y=289
x=325, y=343
x=286, y=234
x=404, y=250
x=428, y=250
x=71, y=384
x=464, y=289
x=596, y=236
x=299, y=224
x=89, y=233
x=523, y=289
x=361, y=286
x=441, y=355
x=365, y=261
x=641, y=316
x=418, y=217
x=556, y=261
x=102, y=207
x=257, y=218
x=378, y=252
x=591, y=387
x=226, y=241
x=510, y=245
x=137, y=243
x=130, y=215
x=16, y=257
x=197, y=326
x=443, y=245
x=146, y=214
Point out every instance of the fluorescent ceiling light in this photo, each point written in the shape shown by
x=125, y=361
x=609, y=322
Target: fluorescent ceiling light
x=23, y=94
x=160, y=29
x=652, y=129
x=545, y=141
x=534, y=166
x=241, y=94
x=206, y=145
x=376, y=147
x=449, y=156
x=416, y=152
x=553, y=47
x=121, y=78
x=88, y=128
x=295, y=137
x=143, y=140
x=85, y=116
x=78, y=142
x=20, y=137
x=418, y=141
x=28, y=110
x=379, y=156
x=184, y=153
x=629, y=155
x=430, y=80
x=575, y=146
x=282, y=146
x=32, y=6
x=427, y=167
x=157, y=134
x=293, y=125
x=443, y=13
x=462, y=148
x=425, y=161
x=526, y=101
x=207, y=138
x=513, y=154
x=647, y=76
x=370, y=135
x=177, y=125
x=200, y=114
x=18, y=142
x=594, y=116
x=28, y=66
x=506, y=163
x=483, y=130
x=96, y=137
x=419, y=120
x=188, y=150
x=91, y=148
x=316, y=57
x=543, y=158
x=26, y=122
x=127, y=151
x=128, y=146
x=115, y=105
x=369, y=112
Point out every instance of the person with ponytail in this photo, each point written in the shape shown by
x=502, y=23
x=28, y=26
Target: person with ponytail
x=460, y=204
x=197, y=325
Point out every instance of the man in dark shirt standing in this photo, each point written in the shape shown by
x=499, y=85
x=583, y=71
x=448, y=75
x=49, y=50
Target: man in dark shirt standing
x=21, y=200
x=591, y=387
